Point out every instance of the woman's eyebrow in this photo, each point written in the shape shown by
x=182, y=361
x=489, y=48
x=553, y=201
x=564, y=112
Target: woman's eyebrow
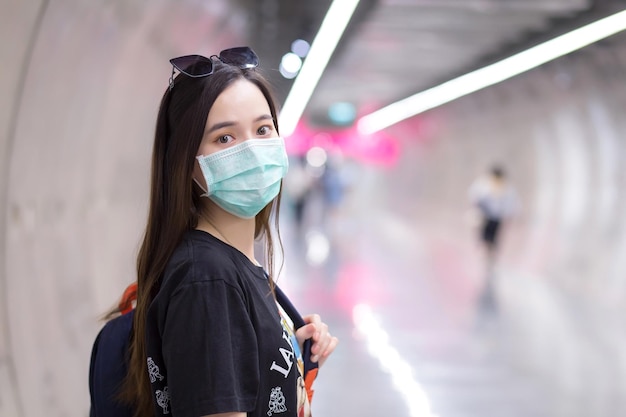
x=218, y=126
x=264, y=117
x=221, y=125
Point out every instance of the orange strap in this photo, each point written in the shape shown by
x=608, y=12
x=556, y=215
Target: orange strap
x=130, y=295
x=308, y=382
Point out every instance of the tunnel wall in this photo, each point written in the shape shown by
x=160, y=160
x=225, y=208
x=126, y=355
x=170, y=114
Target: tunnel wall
x=81, y=87
x=18, y=21
x=560, y=132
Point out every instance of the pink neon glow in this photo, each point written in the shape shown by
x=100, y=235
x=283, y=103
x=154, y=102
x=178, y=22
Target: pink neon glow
x=379, y=148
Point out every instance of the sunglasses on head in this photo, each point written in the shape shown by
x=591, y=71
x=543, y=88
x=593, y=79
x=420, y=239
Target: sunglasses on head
x=196, y=66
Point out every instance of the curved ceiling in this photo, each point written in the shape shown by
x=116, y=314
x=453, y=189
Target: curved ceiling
x=395, y=48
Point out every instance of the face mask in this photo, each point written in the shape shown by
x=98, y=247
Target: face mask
x=245, y=178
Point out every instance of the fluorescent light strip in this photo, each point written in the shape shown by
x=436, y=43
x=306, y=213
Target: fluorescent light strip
x=391, y=361
x=323, y=45
x=492, y=74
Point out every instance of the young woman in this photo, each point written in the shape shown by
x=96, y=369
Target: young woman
x=212, y=334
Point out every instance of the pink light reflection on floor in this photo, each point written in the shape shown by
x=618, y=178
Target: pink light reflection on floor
x=359, y=283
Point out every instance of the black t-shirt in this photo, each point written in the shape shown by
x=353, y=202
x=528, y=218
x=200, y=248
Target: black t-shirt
x=215, y=341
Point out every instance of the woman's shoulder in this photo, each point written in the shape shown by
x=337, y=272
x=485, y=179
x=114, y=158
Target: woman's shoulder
x=200, y=257
x=197, y=246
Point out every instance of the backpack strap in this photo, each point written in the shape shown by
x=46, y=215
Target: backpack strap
x=310, y=368
x=128, y=298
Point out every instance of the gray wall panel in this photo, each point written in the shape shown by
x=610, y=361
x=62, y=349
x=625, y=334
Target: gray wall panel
x=77, y=172
x=18, y=27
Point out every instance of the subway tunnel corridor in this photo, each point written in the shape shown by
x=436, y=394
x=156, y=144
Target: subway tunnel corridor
x=393, y=263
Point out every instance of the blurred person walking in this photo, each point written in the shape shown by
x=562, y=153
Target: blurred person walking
x=496, y=201
x=297, y=186
x=212, y=333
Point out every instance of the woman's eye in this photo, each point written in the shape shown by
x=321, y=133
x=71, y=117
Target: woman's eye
x=264, y=130
x=225, y=139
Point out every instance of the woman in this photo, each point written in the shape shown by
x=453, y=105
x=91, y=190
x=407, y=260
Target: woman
x=212, y=335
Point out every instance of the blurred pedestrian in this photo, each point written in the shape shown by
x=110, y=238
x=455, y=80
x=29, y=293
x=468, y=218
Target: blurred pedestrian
x=496, y=201
x=297, y=186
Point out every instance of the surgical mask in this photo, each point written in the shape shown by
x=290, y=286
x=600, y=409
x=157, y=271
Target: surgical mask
x=245, y=178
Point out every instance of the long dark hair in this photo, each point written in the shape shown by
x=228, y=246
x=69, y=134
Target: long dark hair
x=175, y=202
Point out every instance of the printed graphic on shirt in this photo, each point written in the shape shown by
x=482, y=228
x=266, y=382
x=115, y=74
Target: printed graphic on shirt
x=163, y=399
x=284, y=366
x=290, y=336
x=303, y=403
x=304, y=407
x=277, y=402
x=153, y=371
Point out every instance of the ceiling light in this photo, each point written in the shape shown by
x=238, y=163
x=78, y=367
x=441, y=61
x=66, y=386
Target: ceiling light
x=285, y=73
x=323, y=46
x=290, y=65
x=492, y=74
x=300, y=47
x=342, y=113
x=316, y=157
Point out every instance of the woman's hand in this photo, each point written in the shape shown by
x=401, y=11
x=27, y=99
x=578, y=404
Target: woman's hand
x=323, y=343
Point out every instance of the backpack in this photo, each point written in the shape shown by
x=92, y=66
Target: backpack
x=109, y=361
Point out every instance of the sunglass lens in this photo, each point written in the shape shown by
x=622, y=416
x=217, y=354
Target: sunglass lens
x=193, y=65
x=242, y=57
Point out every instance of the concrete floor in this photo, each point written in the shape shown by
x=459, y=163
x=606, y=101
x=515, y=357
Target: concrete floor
x=425, y=332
